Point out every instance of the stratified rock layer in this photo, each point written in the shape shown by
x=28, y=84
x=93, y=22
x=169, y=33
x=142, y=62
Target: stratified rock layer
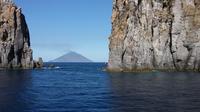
x=15, y=51
x=155, y=34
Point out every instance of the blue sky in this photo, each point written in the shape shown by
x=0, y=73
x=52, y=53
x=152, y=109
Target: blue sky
x=58, y=26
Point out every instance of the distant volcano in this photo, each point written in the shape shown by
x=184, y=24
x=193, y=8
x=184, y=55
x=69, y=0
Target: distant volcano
x=72, y=57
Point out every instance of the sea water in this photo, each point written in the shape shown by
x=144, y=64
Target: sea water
x=85, y=87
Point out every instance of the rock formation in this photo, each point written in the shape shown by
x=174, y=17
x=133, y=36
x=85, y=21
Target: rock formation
x=39, y=63
x=15, y=51
x=155, y=34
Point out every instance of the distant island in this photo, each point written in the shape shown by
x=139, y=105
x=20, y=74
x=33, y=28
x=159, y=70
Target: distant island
x=72, y=57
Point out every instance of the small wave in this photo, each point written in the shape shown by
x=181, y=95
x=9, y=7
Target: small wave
x=56, y=67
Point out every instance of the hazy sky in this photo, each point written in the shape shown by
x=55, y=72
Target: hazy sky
x=57, y=26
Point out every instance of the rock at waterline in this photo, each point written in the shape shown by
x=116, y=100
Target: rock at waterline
x=155, y=35
x=39, y=63
x=15, y=50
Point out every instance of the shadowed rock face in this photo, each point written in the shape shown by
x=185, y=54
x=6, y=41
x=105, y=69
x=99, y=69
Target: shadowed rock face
x=155, y=34
x=15, y=51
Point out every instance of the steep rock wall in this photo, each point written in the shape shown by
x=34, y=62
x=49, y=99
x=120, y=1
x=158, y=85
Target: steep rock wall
x=155, y=34
x=15, y=51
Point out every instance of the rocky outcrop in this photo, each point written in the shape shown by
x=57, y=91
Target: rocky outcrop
x=155, y=34
x=15, y=51
x=38, y=63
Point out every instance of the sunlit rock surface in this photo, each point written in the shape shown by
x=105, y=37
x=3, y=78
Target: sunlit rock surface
x=15, y=51
x=155, y=34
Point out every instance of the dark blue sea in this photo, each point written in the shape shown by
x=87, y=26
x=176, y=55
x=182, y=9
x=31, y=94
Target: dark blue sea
x=85, y=87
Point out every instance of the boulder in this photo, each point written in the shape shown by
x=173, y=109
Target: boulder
x=39, y=63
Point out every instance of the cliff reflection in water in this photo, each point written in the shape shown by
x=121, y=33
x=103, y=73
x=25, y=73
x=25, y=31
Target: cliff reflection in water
x=152, y=92
x=13, y=84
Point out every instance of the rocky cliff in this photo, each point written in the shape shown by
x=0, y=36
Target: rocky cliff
x=15, y=51
x=155, y=34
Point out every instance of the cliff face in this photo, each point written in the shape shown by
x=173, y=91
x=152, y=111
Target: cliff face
x=155, y=34
x=15, y=51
